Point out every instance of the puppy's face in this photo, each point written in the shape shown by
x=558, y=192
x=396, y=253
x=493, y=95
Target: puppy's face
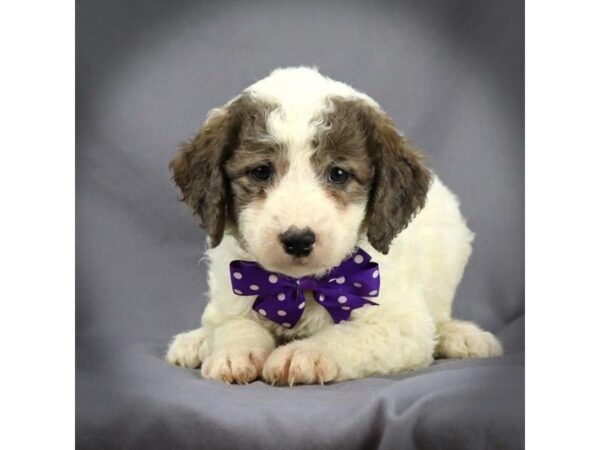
x=297, y=190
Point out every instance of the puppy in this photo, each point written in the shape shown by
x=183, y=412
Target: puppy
x=291, y=178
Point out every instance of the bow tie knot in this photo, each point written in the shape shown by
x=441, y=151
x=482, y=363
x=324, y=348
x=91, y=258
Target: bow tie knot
x=281, y=299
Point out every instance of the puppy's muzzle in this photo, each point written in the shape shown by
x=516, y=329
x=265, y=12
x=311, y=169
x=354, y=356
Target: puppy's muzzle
x=297, y=242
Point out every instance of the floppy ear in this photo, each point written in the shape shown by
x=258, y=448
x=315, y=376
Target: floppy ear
x=401, y=181
x=197, y=170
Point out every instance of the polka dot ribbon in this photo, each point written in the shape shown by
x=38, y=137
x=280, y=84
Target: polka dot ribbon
x=281, y=298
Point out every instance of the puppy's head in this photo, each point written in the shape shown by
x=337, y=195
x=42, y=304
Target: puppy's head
x=298, y=182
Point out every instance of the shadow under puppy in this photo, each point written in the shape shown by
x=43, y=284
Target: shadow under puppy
x=299, y=182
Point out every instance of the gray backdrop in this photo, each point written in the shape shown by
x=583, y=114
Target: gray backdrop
x=450, y=73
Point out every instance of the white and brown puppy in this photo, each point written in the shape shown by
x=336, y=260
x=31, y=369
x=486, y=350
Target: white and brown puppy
x=299, y=151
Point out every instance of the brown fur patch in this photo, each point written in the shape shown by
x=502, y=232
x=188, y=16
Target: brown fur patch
x=364, y=140
x=342, y=142
x=198, y=167
x=255, y=149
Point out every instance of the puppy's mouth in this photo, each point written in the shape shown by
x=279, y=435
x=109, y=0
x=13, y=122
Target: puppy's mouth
x=296, y=253
x=297, y=266
x=300, y=260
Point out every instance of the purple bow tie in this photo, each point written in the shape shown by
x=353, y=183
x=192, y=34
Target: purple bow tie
x=281, y=298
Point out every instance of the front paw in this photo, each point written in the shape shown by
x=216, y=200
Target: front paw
x=184, y=350
x=235, y=365
x=298, y=363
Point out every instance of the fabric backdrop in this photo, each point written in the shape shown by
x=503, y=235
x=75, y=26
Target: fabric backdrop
x=450, y=73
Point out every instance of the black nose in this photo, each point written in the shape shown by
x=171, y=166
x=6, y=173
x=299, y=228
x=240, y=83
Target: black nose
x=298, y=242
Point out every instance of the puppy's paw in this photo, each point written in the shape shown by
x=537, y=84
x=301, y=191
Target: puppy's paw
x=458, y=339
x=185, y=348
x=298, y=363
x=238, y=365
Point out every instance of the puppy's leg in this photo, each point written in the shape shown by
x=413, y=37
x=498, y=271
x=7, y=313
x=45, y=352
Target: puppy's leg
x=185, y=348
x=237, y=351
x=354, y=349
x=461, y=339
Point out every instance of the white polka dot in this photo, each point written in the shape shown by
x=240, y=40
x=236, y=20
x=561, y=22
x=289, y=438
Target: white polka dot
x=321, y=297
x=262, y=312
x=346, y=308
x=237, y=275
x=281, y=297
x=297, y=281
x=373, y=293
x=301, y=305
x=342, y=299
x=281, y=313
x=237, y=291
x=357, y=284
x=287, y=325
x=273, y=279
x=358, y=259
x=376, y=274
x=340, y=280
x=254, y=287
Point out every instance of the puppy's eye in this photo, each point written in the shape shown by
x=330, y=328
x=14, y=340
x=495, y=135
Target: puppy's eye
x=261, y=173
x=337, y=175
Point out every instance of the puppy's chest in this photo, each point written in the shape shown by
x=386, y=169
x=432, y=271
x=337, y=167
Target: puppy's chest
x=313, y=319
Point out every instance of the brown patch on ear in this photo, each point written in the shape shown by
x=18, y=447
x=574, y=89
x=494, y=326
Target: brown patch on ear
x=401, y=181
x=197, y=172
x=385, y=166
x=199, y=165
x=398, y=188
